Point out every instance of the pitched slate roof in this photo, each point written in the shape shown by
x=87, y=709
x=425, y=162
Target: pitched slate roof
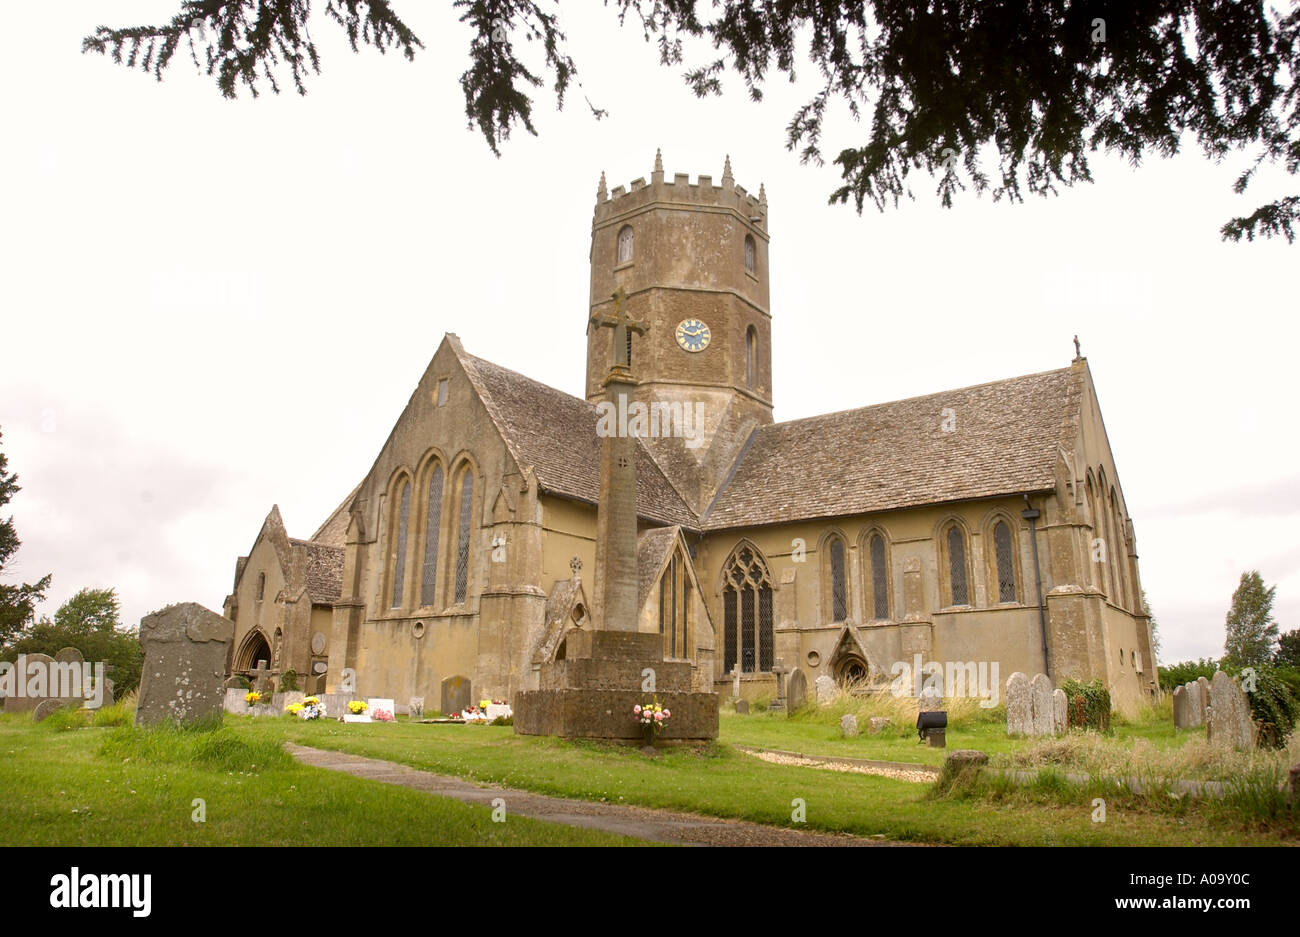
x=555, y=433
x=652, y=550
x=334, y=531
x=1003, y=441
x=324, y=571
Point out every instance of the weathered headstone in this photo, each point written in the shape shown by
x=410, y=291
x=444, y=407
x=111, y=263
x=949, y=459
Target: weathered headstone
x=742, y=707
x=797, y=695
x=1195, y=704
x=848, y=725
x=30, y=694
x=825, y=689
x=456, y=695
x=1060, y=711
x=780, y=670
x=185, y=648
x=46, y=708
x=415, y=708
x=1019, y=711
x=1230, y=723
x=1204, y=684
x=1040, y=703
x=262, y=681
x=1182, y=707
x=233, y=701
x=878, y=724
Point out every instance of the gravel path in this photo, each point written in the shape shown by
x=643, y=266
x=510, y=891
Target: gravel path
x=659, y=826
x=918, y=774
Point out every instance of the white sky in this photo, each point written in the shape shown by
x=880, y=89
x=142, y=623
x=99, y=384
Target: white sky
x=213, y=306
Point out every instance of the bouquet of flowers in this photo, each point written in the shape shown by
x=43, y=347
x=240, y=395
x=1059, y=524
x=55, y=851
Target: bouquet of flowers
x=309, y=708
x=381, y=715
x=651, y=717
x=252, y=698
x=356, y=707
x=474, y=715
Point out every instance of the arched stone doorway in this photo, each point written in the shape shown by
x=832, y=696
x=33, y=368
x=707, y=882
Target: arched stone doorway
x=851, y=670
x=850, y=664
x=255, y=648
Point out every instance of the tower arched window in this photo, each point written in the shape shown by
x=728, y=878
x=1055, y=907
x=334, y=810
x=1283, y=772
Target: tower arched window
x=836, y=582
x=463, y=522
x=400, y=524
x=954, y=548
x=747, y=612
x=876, y=578
x=625, y=244
x=750, y=253
x=432, y=525
x=751, y=354
x=1005, y=562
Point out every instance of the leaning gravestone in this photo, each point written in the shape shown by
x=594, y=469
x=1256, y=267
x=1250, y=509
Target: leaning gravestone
x=1182, y=707
x=46, y=708
x=848, y=725
x=797, y=694
x=825, y=689
x=742, y=707
x=1060, y=711
x=1019, y=713
x=1230, y=723
x=1040, y=696
x=185, y=648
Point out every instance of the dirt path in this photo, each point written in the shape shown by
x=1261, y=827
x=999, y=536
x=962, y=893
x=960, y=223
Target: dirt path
x=659, y=826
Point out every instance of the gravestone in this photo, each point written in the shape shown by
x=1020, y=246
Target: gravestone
x=1195, y=704
x=1040, y=703
x=28, y=664
x=779, y=668
x=825, y=689
x=233, y=701
x=1204, y=716
x=46, y=708
x=455, y=695
x=797, y=694
x=735, y=681
x=376, y=704
x=286, y=699
x=848, y=725
x=262, y=680
x=336, y=704
x=1183, y=707
x=877, y=724
x=1060, y=711
x=1019, y=713
x=185, y=648
x=742, y=707
x=1230, y=724
x=415, y=708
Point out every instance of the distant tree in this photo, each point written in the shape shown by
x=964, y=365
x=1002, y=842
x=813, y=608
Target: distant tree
x=1288, y=649
x=17, y=602
x=1251, y=630
x=91, y=622
x=1155, y=627
x=1042, y=84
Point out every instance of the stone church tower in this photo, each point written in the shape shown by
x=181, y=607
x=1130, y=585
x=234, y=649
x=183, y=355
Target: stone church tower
x=692, y=260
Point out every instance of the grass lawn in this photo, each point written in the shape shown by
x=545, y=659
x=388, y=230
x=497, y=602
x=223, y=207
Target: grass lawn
x=720, y=781
x=107, y=786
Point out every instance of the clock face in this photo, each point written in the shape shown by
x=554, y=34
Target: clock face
x=693, y=335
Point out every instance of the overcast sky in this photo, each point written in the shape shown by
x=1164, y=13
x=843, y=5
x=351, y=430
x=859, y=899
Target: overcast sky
x=210, y=307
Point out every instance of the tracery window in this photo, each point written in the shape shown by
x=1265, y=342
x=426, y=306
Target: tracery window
x=1006, y=562
x=837, y=583
x=955, y=550
x=877, y=578
x=400, y=524
x=747, y=612
x=432, y=525
x=463, y=536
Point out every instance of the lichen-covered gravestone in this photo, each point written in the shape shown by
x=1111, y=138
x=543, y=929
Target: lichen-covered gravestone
x=848, y=725
x=185, y=648
x=1060, y=711
x=825, y=689
x=1182, y=708
x=797, y=694
x=1040, y=696
x=1204, y=715
x=1019, y=714
x=1230, y=724
x=1197, y=698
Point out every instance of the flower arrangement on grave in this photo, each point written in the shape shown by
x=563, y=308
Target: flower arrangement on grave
x=309, y=707
x=475, y=715
x=356, y=707
x=651, y=717
x=381, y=715
x=252, y=698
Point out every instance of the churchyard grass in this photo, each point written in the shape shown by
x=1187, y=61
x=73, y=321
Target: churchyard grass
x=64, y=784
x=721, y=781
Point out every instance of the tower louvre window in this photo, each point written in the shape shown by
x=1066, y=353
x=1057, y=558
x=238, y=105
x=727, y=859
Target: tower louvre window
x=750, y=252
x=751, y=348
x=625, y=244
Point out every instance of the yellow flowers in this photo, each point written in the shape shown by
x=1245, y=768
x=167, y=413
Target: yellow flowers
x=357, y=707
x=251, y=697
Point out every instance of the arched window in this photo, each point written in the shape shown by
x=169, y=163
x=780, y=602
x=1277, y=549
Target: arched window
x=747, y=612
x=751, y=349
x=400, y=524
x=1096, y=558
x=625, y=241
x=463, y=534
x=836, y=584
x=749, y=253
x=954, y=544
x=876, y=578
x=261, y=586
x=674, y=608
x=432, y=523
x=1121, y=551
x=1004, y=553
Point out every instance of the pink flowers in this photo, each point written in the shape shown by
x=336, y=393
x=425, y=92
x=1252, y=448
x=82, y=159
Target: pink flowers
x=650, y=716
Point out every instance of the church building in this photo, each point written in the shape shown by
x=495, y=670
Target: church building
x=979, y=524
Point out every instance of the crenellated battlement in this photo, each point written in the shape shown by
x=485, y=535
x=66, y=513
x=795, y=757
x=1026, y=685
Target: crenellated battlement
x=680, y=190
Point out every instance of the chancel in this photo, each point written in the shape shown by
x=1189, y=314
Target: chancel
x=977, y=524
